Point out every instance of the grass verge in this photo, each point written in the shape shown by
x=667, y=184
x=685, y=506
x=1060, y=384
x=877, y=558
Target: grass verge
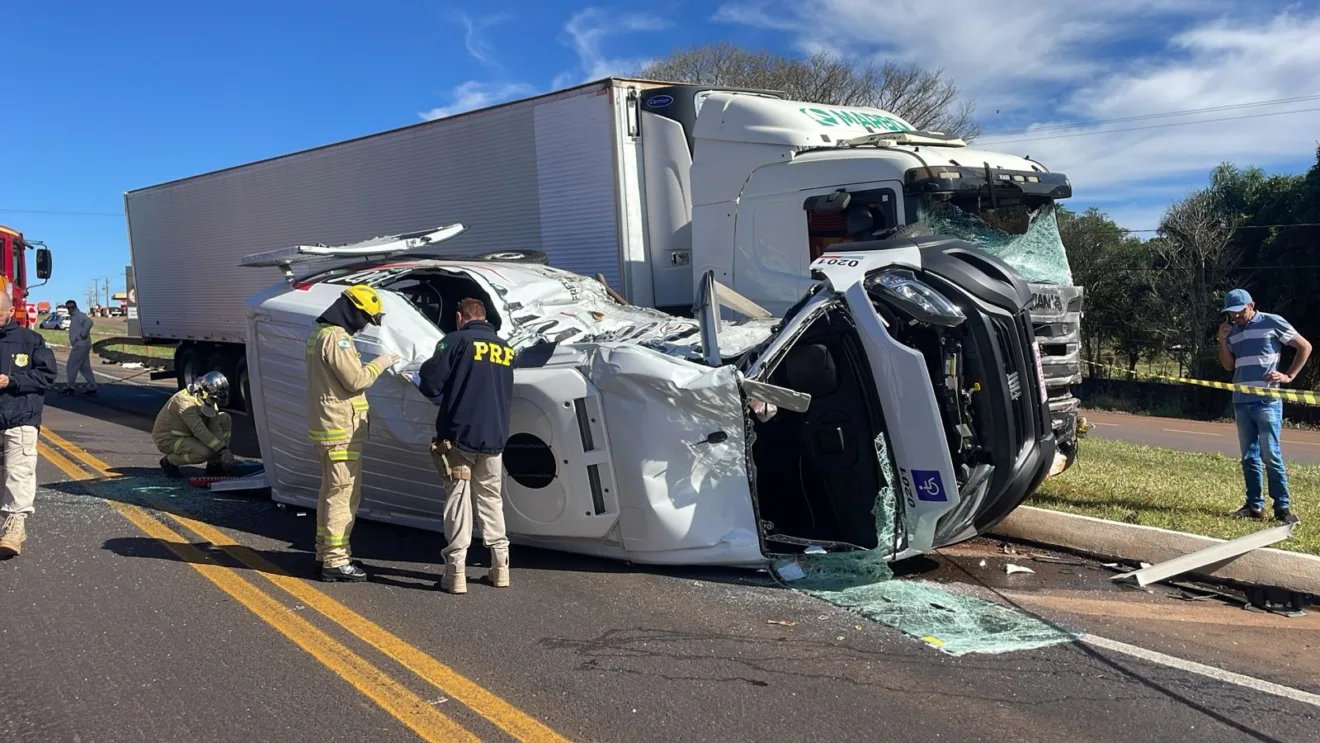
x=164, y=353
x=1177, y=490
x=61, y=337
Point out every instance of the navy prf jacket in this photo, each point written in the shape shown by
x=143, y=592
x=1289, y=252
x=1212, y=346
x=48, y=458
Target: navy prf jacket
x=471, y=378
x=30, y=365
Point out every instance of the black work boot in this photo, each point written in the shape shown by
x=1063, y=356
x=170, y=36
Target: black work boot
x=216, y=468
x=170, y=469
x=1246, y=512
x=1286, y=516
x=349, y=573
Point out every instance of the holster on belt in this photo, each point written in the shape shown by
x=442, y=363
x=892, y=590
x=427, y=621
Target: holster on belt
x=442, y=449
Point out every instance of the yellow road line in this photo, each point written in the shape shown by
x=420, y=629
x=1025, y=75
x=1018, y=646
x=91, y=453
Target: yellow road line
x=390, y=695
x=60, y=461
x=503, y=715
x=508, y=718
x=101, y=468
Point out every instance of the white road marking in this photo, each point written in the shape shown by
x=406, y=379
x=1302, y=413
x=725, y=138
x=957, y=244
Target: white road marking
x=1218, y=674
x=1098, y=423
x=1194, y=433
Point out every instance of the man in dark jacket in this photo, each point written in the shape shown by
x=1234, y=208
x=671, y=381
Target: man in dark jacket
x=27, y=370
x=471, y=378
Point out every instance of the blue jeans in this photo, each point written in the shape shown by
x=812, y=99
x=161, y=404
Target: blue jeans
x=1258, y=426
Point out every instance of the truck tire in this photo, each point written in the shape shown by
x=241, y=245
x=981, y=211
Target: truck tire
x=229, y=363
x=240, y=391
x=187, y=364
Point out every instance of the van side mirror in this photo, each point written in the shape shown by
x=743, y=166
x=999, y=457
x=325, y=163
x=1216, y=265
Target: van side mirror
x=43, y=263
x=832, y=203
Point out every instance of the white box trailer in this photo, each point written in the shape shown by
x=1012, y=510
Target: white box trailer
x=540, y=173
x=646, y=184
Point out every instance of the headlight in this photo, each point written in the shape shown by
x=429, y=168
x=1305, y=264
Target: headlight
x=902, y=288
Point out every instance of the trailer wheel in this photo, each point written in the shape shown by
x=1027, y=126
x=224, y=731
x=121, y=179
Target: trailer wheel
x=242, y=388
x=187, y=364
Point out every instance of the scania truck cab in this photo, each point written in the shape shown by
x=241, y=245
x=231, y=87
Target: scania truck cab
x=774, y=184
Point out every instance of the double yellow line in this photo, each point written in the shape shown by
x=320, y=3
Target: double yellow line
x=395, y=698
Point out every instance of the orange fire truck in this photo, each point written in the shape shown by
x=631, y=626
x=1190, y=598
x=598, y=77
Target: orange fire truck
x=13, y=258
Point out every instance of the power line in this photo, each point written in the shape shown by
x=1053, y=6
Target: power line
x=1153, y=126
x=1145, y=117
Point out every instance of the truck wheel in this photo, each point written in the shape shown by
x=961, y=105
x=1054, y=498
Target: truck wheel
x=187, y=365
x=240, y=392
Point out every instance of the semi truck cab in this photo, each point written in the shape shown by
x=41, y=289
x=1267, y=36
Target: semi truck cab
x=755, y=188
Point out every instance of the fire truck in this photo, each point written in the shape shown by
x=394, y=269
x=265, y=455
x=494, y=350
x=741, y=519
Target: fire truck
x=13, y=253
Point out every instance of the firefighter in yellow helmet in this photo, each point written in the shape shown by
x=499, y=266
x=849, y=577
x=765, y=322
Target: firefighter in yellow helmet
x=337, y=381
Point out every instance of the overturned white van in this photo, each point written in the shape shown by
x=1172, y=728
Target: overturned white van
x=646, y=437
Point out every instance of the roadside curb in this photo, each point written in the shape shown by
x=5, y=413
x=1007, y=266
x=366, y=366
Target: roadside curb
x=1114, y=540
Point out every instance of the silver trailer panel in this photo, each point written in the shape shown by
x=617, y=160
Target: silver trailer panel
x=535, y=174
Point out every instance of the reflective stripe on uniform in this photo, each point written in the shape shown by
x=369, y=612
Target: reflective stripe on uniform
x=330, y=540
x=185, y=434
x=345, y=455
x=361, y=405
x=330, y=434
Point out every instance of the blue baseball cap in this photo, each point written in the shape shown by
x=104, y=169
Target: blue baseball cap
x=1236, y=300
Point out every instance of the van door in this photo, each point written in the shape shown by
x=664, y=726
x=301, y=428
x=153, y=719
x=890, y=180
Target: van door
x=558, y=476
x=920, y=449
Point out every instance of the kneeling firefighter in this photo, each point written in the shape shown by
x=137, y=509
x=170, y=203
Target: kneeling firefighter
x=192, y=428
x=337, y=382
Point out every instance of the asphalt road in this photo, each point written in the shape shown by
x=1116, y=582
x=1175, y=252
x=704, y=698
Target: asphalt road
x=1187, y=435
x=140, y=610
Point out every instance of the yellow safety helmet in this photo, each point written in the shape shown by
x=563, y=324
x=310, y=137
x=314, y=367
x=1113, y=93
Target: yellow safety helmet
x=366, y=299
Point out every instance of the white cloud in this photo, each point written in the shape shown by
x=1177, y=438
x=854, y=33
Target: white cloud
x=472, y=34
x=473, y=94
x=586, y=31
x=1215, y=63
x=1053, y=63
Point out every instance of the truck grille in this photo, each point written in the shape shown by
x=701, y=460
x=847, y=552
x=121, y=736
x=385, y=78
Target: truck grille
x=1056, y=320
x=1014, y=338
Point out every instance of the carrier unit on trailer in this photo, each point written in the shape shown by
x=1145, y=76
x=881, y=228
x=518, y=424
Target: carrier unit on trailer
x=647, y=185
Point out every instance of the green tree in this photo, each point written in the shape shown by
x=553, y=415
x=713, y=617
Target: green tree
x=1114, y=268
x=1279, y=262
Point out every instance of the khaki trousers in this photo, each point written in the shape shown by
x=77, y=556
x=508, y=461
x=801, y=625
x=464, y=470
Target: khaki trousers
x=181, y=450
x=336, y=508
x=20, y=470
x=479, y=492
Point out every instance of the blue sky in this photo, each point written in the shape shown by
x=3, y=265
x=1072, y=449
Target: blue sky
x=107, y=97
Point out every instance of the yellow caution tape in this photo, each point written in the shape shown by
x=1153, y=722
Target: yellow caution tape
x=1300, y=397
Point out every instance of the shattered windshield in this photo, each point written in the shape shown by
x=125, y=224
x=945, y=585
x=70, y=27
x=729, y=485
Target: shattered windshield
x=1024, y=237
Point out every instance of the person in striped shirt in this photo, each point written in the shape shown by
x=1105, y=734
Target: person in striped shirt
x=1249, y=346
